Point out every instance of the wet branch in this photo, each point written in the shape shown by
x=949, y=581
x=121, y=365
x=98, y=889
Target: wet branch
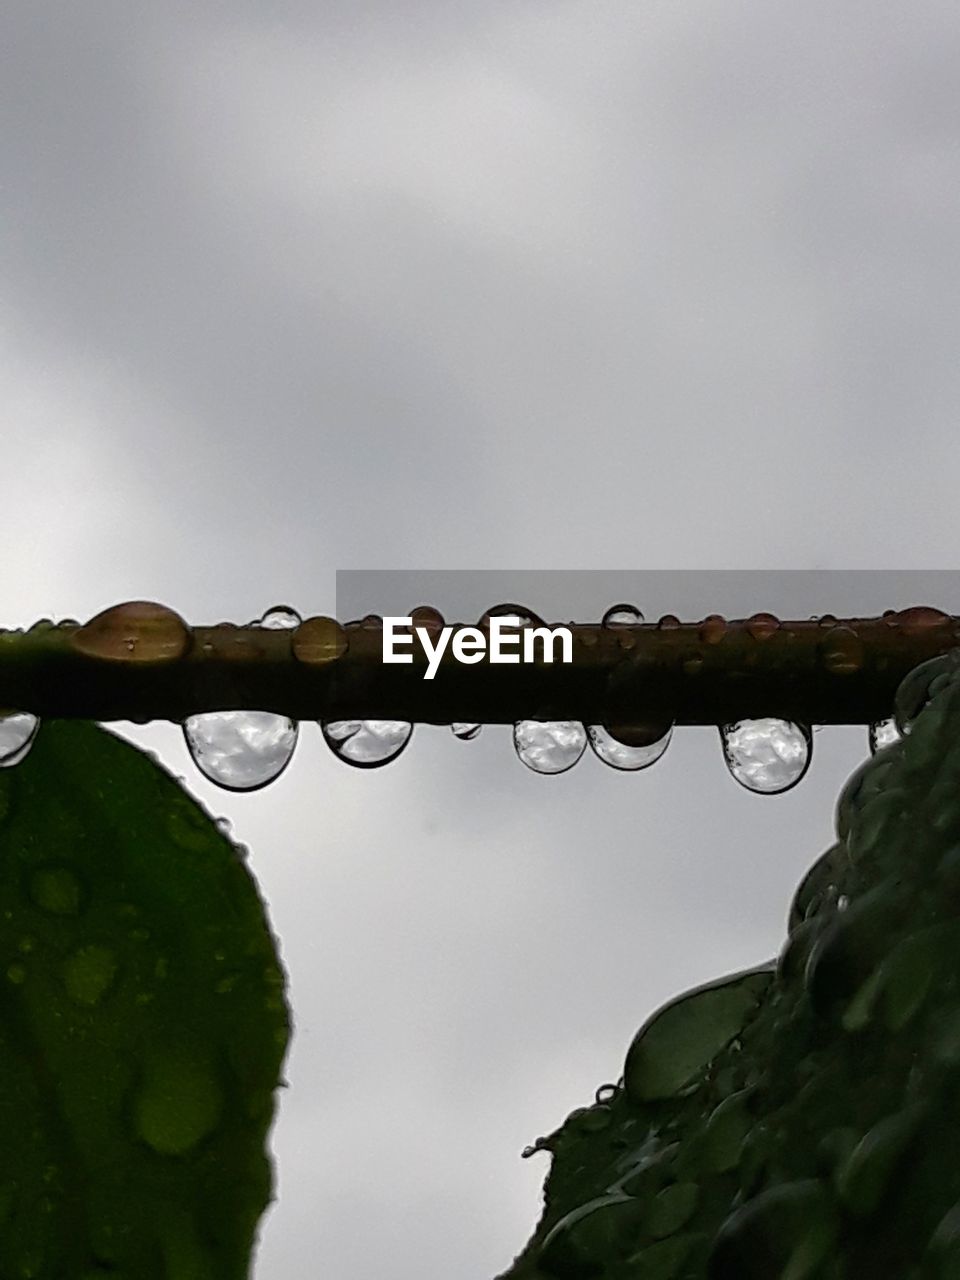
x=141, y=662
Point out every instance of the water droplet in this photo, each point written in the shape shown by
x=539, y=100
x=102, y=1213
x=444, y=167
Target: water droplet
x=319, y=641
x=669, y=622
x=465, y=732
x=768, y=756
x=137, y=631
x=713, y=628
x=606, y=1093
x=684, y=1035
x=180, y=1104
x=842, y=651
x=622, y=615
x=240, y=750
x=882, y=734
x=762, y=625
x=17, y=974
x=427, y=619
x=549, y=746
x=56, y=889
x=366, y=743
x=619, y=754
x=521, y=615
x=17, y=732
x=89, y=973
x=917, y=620
x=280, y=617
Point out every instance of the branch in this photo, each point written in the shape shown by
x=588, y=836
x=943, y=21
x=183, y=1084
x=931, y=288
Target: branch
x=140, y=661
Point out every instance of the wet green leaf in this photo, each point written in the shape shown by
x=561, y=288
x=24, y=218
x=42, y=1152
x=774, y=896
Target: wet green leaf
x=136, y=1083
x=808, y=1130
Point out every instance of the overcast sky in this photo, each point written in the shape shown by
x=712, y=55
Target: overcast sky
x=294, y=288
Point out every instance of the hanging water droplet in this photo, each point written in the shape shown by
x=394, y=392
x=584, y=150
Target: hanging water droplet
x=621, y=755
x=549, y=746
x=366, y=743
x=280, y=617
x=240, y=750
x=465, y=732
x=138, y=631
x=767, y=756
x=882, y=734
x=17, y=732
x=622, y=615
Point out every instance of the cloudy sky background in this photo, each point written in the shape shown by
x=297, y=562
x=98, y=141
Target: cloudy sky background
x=467, y=286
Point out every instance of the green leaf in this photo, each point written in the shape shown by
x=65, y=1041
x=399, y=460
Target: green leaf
x=814, y=1136
x=143, y=1023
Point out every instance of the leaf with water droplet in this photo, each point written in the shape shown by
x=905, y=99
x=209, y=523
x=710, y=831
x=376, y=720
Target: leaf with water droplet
x=119, y=1061
x=821, y=1139
x=687, y=1033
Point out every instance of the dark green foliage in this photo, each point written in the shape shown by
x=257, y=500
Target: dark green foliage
x=143, y=1023
x=818, y=1137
